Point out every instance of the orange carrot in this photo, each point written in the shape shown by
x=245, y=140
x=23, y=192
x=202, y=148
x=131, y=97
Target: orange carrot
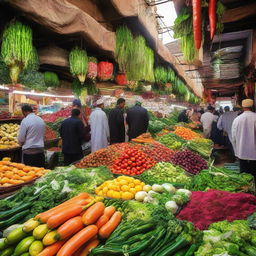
x=89, y=246
x=93, y=213
x=102, y=221
x=75, y=242
x=52, y=249
x=44, y=216
x=106, y=230
x=110, y=210
x=69, y=228
x=65, y=214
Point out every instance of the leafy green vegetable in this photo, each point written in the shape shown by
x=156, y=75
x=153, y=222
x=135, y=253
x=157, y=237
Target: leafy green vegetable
x=33, y=80
x=51, y=79
x=156, y=126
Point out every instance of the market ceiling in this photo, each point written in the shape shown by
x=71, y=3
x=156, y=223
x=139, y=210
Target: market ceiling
x=225, y=58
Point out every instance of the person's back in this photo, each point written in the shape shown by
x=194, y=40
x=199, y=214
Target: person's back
x=226, y=120
x=116, y=123
x=207, y=119
x=137, y=120
x=183, y=117
x=99, y=127
x=72, y=132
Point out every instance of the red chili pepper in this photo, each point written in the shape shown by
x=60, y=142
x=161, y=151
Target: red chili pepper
x=196, y=4
x=212, y=17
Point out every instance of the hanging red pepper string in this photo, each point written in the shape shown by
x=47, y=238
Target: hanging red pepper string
x=197, y=25
x=212, y=17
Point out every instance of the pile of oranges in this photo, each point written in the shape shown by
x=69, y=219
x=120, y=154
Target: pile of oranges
x=186, y=133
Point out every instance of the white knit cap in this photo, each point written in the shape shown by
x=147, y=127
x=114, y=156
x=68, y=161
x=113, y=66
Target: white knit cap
x=247, y=103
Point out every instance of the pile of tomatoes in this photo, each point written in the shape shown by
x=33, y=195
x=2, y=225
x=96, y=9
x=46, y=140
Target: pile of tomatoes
x=132, y=162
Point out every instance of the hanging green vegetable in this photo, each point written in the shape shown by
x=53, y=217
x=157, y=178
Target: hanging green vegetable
x=76, y=87
x=78, y=63
x=4, y=73
x=161, y=75
x=33, y=80
x=17, y=48
x=197, y=22
x=51, y=79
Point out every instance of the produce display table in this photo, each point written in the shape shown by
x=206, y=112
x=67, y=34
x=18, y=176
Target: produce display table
x=13, y=153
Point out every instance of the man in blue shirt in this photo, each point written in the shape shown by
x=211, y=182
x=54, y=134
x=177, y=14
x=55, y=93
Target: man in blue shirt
x=72, y=133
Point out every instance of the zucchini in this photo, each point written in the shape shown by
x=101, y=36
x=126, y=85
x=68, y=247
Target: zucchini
x=6, y=214
x=3, y=245
x=15, y=236
x=35, y=248
x=8, y=230
x=40, y=231
x=19, y=216
x=25, y=254
x=30, y=225
x=7, y=252
x=23, y=245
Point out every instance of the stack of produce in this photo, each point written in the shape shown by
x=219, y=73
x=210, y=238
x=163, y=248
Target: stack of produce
x=15, y=173
x=171, y=141
x=144, y=138
x=73, y=226
x=228, y=238
x=190, y=161
x=49, y=191
x=156, y=126
x=165, y=195
x=186, y=133
x=205, y=208
x=8, y=135
x=223, y=179
x=201, y=146
x=132, y=162
x=158, y=152
x=121, y=147
x=122, y=187
x=172, y=119
x=158, y=234
x=102, y=157
x=5, y=114
x=55, y=126
x=50, y=134
x=54, y=116
x=166, y=172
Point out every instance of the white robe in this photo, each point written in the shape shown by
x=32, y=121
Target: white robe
x=244, y=136
x=99, y=129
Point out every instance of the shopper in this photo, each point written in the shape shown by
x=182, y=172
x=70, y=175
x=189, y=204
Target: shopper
x=72, y=133
x=116, y=122
x=183, y=116
x=225, y=124
x=31, y=138
x=99, y=127
x=137, y=120
x=244, y=138
x=207, y=119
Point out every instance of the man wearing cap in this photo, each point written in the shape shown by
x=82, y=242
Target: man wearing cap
x=116, y=122
x=244, y=138
x=99, y=127
x=137, y=120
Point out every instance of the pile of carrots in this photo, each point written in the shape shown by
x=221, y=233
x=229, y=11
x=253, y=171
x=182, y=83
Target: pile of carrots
x=186, y=133
x=74, y=227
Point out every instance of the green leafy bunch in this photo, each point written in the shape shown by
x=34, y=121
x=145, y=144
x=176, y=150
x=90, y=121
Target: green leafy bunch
x=51, y=79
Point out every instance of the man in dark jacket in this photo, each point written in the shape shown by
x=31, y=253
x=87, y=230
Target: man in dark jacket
x=116, y=123
x=183, y=116
x=137, y=120
x=72, y=133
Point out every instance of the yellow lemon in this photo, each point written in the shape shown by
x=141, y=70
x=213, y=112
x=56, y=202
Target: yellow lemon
x=116, y=195
x=142, y=184
x=131, y=185
x=133, y=190
x=110, y=193
x=100, y=193
x=137, y=182
x=138, y=188
x=111, y=186
x=105, y=190
x=125, y=188
x=123, y=182
x=97, y=190
x=127, y=196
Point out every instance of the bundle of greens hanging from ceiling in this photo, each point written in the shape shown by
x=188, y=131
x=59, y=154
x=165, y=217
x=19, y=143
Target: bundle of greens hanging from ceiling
x=133, y=56
x=19, y=59
x=193, y=21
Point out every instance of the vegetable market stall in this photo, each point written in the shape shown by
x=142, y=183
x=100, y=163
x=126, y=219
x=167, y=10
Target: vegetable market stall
x=143, y=202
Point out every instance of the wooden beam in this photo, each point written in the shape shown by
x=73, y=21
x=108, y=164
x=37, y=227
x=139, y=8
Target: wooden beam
x=239, y=13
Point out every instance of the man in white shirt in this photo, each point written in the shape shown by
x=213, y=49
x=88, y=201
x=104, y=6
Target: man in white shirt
x=207, y=119
x=99, y=127
x=31, y=138
x=244, y=138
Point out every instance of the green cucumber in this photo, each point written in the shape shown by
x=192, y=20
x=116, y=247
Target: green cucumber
x=15, y=236
x=19, y=216
x=23, y=245
x=3, y=245
x=25, y=254
x=6, y=214
x=7, y=252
